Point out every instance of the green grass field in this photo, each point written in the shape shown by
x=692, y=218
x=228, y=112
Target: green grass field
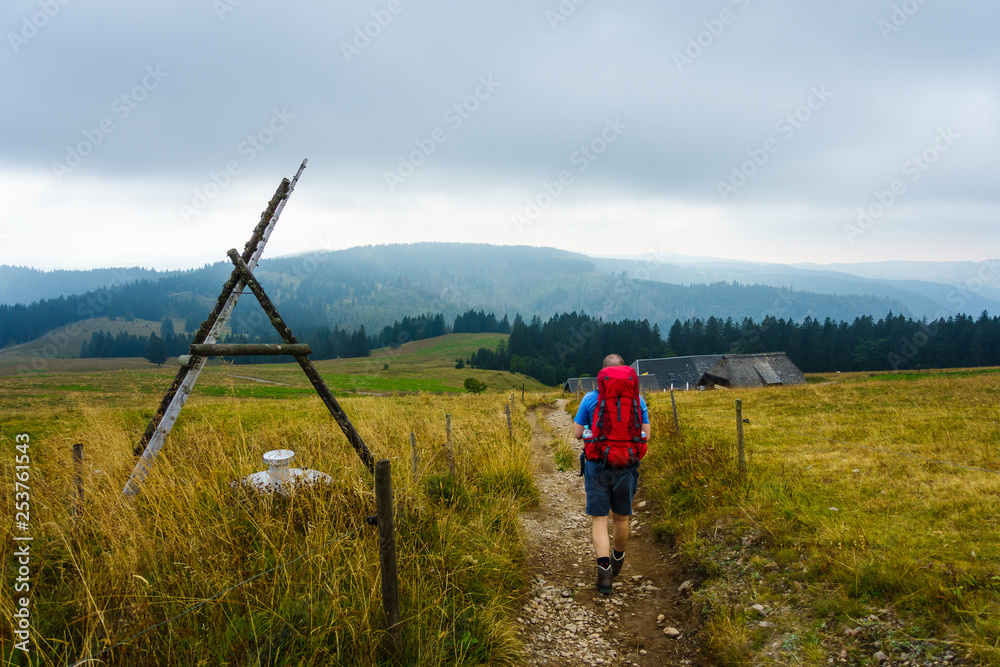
x=850, y=516
x=426, y=365
x=65, y=342
x=851, y=528
x=309, y=564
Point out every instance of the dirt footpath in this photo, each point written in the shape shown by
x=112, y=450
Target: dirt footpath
x=564, y=620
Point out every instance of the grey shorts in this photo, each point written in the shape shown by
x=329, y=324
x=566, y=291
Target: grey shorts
x=609, y=488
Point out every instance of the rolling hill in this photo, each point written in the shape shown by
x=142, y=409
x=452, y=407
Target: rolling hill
x=373, y=286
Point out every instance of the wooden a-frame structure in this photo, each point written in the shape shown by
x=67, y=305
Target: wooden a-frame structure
x=204, y=346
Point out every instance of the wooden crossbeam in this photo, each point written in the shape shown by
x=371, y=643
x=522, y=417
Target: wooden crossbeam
x=205, y=346
x=307, y=366
x=247, y=349
x=166, y=414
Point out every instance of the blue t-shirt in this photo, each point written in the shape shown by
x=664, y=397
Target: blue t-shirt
x=589, y=402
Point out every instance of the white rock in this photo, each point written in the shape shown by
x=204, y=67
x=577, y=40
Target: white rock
x=685, y=586
x=672, y=632
x=660, y=618
x=881, y=657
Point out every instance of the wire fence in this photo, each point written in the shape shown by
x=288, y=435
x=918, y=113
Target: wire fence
x=879, y=449
x=334, y=540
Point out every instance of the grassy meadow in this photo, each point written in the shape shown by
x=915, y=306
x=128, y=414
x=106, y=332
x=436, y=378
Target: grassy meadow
x=191, y=538
x=842, y=523
x=848, y=530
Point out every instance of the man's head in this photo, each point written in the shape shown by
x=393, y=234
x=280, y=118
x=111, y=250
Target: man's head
x=613, y=360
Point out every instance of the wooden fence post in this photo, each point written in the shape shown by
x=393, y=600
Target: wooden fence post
x=78, y=480
x=510, y=425
x=673, y=404
x=415, y=456
x=741, y=452
x=451, y=452
x=522, y=392
x=387, y=554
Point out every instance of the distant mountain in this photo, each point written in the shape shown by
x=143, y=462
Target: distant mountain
x=21, y=284
x=374, y=286
x=926, y=289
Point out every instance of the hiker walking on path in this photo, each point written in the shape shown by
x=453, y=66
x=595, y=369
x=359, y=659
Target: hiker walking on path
x=613, y=422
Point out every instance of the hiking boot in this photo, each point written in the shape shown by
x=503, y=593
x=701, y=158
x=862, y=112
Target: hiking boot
x=616, y=564
x=604, y=580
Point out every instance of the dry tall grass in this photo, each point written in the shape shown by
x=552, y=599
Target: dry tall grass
x=189, y=535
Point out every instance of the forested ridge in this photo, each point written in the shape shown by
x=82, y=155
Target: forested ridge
x=574, y=344
x=378, y=285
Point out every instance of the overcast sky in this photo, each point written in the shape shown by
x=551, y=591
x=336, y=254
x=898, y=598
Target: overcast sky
x=154, y=133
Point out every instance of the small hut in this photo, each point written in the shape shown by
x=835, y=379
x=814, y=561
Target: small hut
x=679, y=372
x=579, y=385
x=708, y=371
x=752, y=370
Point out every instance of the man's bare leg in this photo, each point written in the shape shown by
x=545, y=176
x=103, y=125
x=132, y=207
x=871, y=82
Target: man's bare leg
x=602, y=543
x=620, y=524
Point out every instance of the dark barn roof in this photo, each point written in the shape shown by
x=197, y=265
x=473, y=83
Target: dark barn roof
x=678, y=370
x=646, y=383
x=580, y=384
x=649, y=383
x=729, y=370
x=753, y=370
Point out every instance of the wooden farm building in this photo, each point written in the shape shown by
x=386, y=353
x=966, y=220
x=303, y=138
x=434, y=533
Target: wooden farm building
x=721, y=370
x=580, y=385
x=583, y=385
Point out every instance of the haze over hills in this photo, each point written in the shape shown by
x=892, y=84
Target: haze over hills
x=926, y=289
x=22, y=284
x=376, y=285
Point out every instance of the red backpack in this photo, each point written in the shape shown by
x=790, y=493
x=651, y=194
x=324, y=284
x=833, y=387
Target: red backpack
x=617, y=419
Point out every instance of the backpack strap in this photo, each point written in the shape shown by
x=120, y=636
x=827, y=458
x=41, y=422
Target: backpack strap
x=637, y=420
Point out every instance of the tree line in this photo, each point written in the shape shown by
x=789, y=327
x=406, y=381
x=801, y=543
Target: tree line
x=326, y=343
x=574, y=344
x=894, y=342
x=569, y=345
